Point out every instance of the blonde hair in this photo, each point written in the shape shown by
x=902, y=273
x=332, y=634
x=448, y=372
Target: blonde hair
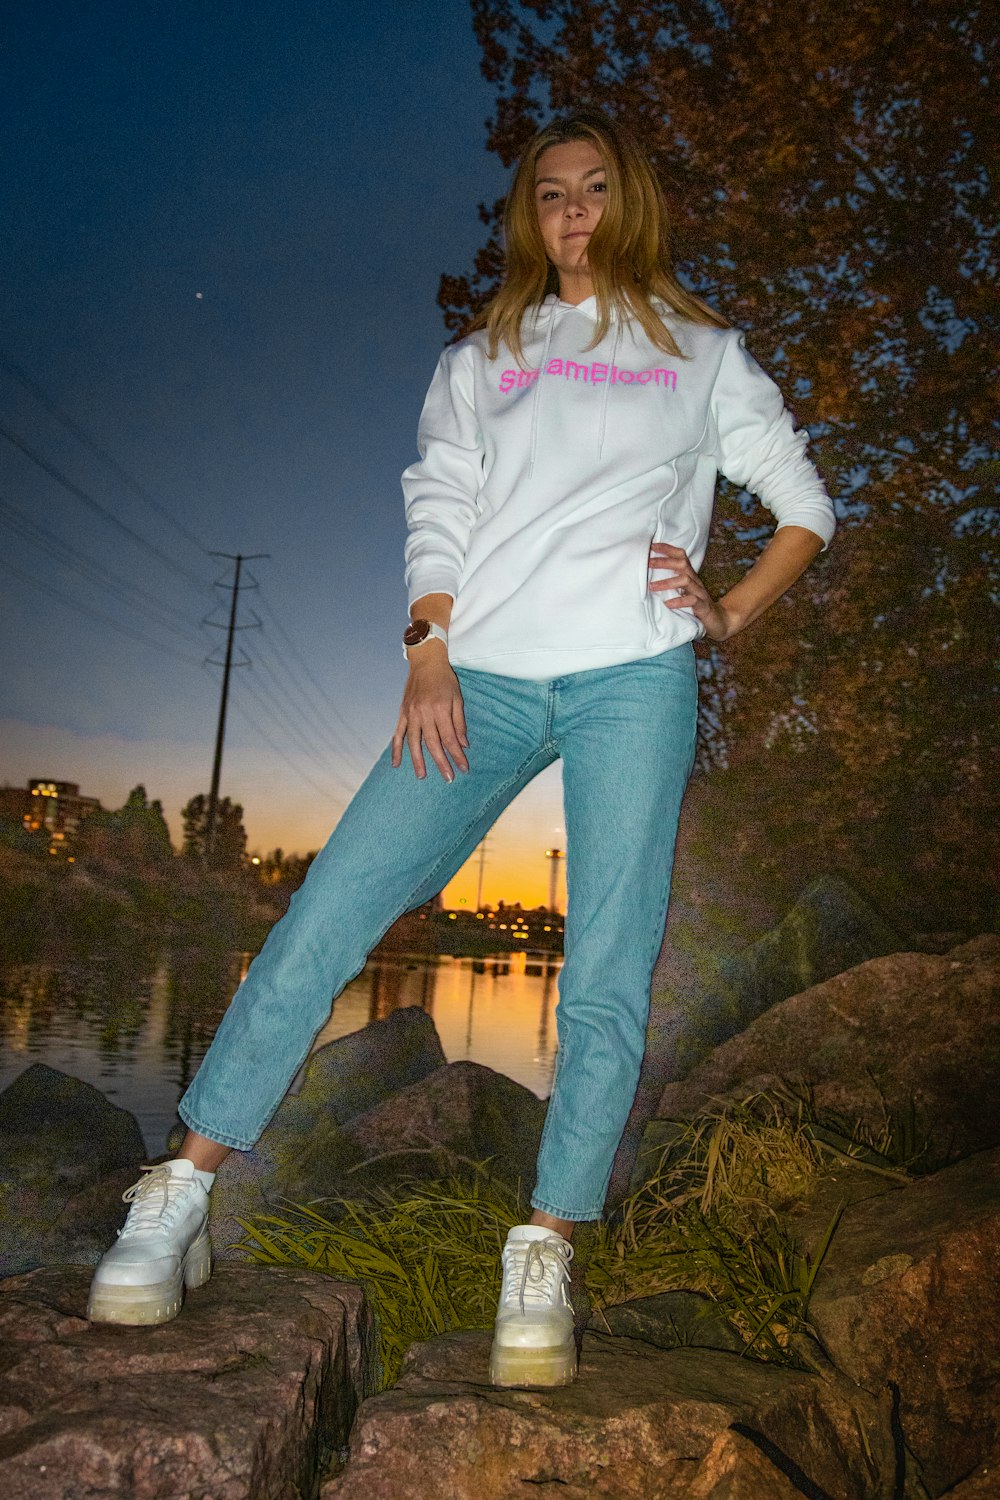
x=628, y=254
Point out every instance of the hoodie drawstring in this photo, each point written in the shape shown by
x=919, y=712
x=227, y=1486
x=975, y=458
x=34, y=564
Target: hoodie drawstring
x=604, y=393
x=553, y=306
x=538, y=382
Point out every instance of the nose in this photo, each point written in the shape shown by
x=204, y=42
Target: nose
x=574, y=207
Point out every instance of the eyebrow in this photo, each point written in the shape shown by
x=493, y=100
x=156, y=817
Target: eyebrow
x=561, y=180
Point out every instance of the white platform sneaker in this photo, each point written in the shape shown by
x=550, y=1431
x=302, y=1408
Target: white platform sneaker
x=533, y=1338
x=162, y=1247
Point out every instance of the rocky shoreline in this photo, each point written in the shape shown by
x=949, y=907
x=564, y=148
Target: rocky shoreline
x=881, y=1377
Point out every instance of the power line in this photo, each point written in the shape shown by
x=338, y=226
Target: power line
x=51, y=544
x=277, y=715
x=292, y=676
x=80, y=433
x=95, y=505
x=300, y=774
x=95, y=614
x=313, y=724
x=370, y=754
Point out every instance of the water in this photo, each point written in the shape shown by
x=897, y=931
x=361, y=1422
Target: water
x=140, y=1036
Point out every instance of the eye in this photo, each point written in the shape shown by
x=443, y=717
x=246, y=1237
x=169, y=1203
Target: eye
x=599, y=187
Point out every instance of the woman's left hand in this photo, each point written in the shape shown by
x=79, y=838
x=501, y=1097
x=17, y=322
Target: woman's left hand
x=694, y=595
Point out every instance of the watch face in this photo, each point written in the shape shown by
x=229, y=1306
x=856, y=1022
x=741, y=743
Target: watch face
x=417, y=632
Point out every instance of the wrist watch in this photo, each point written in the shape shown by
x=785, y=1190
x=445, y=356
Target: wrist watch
x=419, y=631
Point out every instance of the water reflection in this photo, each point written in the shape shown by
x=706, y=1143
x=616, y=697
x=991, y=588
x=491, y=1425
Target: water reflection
x=138, y=1029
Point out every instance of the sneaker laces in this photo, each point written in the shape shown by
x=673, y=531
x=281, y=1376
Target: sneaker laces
x=542, y=1273
x=144, y=1213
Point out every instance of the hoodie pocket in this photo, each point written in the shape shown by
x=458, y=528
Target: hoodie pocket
x=645, y=575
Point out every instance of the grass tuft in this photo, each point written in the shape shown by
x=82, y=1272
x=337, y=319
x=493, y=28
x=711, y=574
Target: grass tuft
x=708, y=1219
x=426, y=1251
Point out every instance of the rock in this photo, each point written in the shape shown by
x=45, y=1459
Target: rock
x=345, y=1077
x=829, y=929
x=58, y=1138
x=461, y=1113
x=462, y=1110
x=909, y=1293
x=244, y=1396
x=303, y=1149
x=670, y=1320
x=908, y=1029
x=638, y=1421
x=86, y=1224
x=348, y=1076
x=982, y=1484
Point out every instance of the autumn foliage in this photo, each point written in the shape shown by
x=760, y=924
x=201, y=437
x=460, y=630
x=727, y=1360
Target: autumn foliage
x=827, y=171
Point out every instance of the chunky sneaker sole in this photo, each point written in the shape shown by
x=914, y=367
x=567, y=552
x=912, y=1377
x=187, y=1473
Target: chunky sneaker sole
x=144, y=1305
x=510, y=1366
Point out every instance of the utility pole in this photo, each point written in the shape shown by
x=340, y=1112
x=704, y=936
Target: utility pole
x=220, y=734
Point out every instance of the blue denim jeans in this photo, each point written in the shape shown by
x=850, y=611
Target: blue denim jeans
x=626, y=737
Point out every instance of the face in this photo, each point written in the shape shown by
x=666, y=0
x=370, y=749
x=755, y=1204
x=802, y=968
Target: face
x=570, y=193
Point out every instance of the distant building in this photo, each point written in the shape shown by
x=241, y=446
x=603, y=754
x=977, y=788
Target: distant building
x=53, y=806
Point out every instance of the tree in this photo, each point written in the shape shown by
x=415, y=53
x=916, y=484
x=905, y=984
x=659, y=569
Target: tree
x=135, y=833
x=230, y=840
x=827, y=170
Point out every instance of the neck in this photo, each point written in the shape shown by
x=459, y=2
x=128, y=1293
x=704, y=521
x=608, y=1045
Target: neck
x=575, y=286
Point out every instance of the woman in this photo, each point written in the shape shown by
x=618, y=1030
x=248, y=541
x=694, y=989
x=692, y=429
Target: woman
x=569, y=447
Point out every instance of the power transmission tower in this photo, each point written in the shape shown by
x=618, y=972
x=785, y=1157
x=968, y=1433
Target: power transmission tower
x=220, y=734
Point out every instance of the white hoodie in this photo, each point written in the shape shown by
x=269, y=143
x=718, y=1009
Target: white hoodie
x=538, y=491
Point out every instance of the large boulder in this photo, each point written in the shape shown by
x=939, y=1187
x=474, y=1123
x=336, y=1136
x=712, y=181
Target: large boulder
x=58, y=1138
x=351, y=1074
x=459, y=1114
x=638, y=1421
x=245, y=1396
x=356, y=1072
x=909, y=1294
x=829, y=929
x=907, y=1032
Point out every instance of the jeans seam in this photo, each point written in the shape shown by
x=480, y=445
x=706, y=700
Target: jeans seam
x=656, y=942
x=497, y=794
x=550, y=699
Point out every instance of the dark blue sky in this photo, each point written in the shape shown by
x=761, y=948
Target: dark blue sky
x=225, y=226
